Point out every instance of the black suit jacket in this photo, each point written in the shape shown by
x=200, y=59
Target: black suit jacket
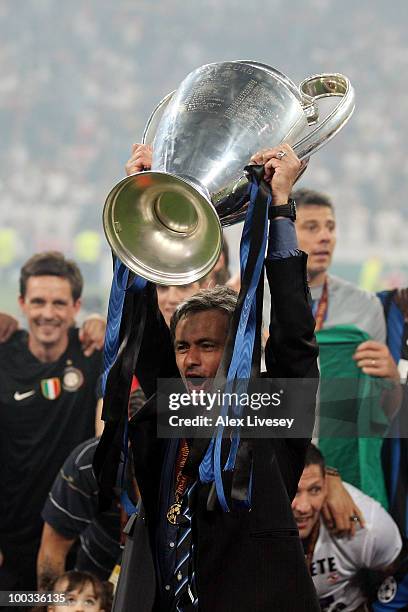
x=244, y=561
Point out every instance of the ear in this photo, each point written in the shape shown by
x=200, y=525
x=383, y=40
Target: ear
x=77, y=305
x=21, y=302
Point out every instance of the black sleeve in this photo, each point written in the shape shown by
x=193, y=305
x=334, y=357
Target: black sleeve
x=156, y=357
x=291, y=352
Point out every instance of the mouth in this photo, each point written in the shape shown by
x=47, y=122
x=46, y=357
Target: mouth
x=196, y=382
x=321, y=253
x=302, y=523
x=49, y=326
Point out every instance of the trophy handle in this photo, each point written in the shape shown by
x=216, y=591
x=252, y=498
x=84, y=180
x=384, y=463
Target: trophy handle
x=324, y=86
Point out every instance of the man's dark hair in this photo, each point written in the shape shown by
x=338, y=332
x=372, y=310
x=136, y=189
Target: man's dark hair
x=309, y=197
x=315, y=457
x=52, y=263
x=219, y=298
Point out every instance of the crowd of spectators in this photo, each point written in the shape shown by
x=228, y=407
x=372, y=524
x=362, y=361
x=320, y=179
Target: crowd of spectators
x=78, y=83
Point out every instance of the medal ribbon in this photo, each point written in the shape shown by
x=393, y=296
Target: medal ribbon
x=252, y=255
x=118, y=365
x=320, y=311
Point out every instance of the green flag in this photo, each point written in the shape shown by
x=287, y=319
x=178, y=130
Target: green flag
x=352, y=421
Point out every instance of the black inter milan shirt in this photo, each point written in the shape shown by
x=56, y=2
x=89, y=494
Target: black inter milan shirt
x=46, y=409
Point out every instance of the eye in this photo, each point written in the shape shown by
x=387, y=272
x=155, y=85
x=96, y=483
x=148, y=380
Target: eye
x=311, y=226
x=207, y=346
x=315, y=490
x=181, y=348
x=90, y=601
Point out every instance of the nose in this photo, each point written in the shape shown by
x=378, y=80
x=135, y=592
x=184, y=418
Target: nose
x=192, y=357
x=48, y=311
x=301, y=504
x=325, y=235
x=173, y=296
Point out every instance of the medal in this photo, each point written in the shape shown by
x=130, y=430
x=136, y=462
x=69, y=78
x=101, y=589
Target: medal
x=173, y=512
x=181, y=483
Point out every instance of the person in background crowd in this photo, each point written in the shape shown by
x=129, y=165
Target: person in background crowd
x=220, y=274
x=170, y=296
x=334, y=562
x=81, y=592
x=91, y=334
x=47, y=407
x=70, y=514
x=350, y=330
x=395, y=448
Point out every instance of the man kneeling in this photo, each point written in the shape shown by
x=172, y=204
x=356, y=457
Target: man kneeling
x=333, y=562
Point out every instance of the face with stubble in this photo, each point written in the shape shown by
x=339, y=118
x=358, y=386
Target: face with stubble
x=199, y=344
x=50, y=310
x=316, y=234
x=310, y=497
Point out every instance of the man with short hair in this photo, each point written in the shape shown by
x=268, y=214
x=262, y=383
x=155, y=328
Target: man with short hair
x=334, y=562
x=47, y=406
x=347, y=304
x=351, y=334
x=242, y=560
x=71, y=515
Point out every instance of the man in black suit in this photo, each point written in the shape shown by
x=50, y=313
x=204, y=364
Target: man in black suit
x=242, y=560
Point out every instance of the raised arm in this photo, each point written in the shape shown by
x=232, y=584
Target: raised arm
x=291, y=350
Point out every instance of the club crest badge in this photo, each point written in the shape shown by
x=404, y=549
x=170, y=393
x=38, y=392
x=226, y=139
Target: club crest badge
x=388, y=590
x=51, y=388
x=72, y=379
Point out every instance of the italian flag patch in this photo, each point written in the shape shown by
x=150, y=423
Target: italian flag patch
x=51, y=388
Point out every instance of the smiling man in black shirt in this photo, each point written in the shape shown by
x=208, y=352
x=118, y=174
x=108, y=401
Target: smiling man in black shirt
x=47, y=407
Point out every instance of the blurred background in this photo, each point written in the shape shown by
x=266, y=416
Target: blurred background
x=79, y=79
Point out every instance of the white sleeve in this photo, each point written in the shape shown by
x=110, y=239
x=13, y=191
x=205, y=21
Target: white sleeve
x=377, y=324
x=383, y=541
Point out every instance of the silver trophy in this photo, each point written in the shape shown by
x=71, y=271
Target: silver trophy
x=165, y=224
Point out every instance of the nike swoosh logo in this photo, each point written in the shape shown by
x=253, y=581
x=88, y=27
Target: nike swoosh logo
x=20, y=396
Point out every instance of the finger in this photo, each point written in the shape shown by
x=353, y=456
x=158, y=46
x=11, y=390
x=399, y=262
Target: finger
x=357, y=512
x=90, y=348
x=261, y=157
x=257, y=158
x=370, y=354
x=370, y=344
x=328, y=517
x=342, y=523
x=271, y=167
x=4, y=333
x=378, y=372
x=371, y=363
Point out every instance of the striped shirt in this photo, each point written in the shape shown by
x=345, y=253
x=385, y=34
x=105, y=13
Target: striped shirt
x=72, y=510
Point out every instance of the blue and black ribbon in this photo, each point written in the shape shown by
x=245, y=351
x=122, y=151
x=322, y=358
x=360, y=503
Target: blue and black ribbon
x=121, y=350
x=241, y=359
